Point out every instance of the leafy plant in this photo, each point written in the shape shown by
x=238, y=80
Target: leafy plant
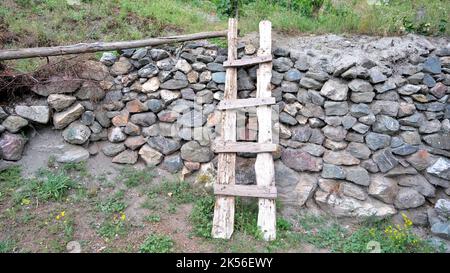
x=113, y=204
x=152, y=218
x=7, y=246
x=111, y=228
x=157, y=244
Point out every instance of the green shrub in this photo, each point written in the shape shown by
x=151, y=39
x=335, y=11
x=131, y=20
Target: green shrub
x=157, y=244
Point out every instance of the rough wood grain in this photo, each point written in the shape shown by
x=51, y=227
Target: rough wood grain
x=246, y=190
x=223, y=220
x=264, y=167
x=251, y=102
x=243, y=147
x=10, y=54
x=248, y=61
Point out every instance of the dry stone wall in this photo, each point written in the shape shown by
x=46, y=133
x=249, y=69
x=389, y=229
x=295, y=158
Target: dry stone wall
x=358, y=137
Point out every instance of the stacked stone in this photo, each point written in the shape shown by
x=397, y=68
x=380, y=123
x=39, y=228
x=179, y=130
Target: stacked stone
x=358, y=137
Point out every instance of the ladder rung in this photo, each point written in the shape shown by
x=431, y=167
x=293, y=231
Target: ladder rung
x=269, y=192
x=232, y=104
x=243, y=147
x=248, y=61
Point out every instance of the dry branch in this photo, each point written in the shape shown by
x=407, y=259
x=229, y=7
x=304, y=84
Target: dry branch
x=103, y=46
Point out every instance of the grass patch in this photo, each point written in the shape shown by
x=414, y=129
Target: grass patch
x=7, y=246
x=10, y=179
x=153, y=218
x=173, y=192
x=79, y=167
x=157, y=244
x=326, y=233
x=46, y=186
x=133, y=177
x=112, y=228
x=113, y=204
x=245, y=218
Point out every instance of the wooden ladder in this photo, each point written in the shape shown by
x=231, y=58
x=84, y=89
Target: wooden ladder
x=225, y=188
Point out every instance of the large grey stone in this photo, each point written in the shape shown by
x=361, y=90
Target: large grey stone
x=172, y=163
x=192, y=151
x=440, y=140
x=385, y=160
x=358, y=85
x=282, y=64
x=333, y=171
x=345, y=206
x=417, y=182
x=39, y=114
x=386, y=125
x=383, y=188
x=440, y=168
x=358, y=150
x=358, y=175
x=174, y=84
x=14, y=123
x=293, y=188
x=112, y=149
x=76, y=133
x=126, y=157
x=408, y=198
x=163, y=144
x=335, y=108
x=377, y=141
x=335, y=89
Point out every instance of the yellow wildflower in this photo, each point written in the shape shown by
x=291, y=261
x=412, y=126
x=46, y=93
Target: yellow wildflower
x=123, y=216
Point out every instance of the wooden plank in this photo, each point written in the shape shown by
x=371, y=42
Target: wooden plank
x=247, y=61
x=240, y=103
x=264, y=166
x=243, y=147
x=246, y=191
x=21, y=53
x=223, y=220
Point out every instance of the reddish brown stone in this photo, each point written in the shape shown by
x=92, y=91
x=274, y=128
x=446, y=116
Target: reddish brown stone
x=135, y=106
x=121, y=119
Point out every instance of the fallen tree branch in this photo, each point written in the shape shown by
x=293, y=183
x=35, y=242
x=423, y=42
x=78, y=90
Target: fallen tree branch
x=22, y=53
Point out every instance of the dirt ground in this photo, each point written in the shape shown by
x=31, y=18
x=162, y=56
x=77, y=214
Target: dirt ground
x=34, y=228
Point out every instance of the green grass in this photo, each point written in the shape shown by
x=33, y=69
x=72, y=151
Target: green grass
x=46, y=186
x=156, y=243
x=323, y=232
x=172, y=192
x=113, y=204
x=328, y=233
x=245, y=218
x=7, y=246
x=54, y=22
x=133, y=177
x=111, y=228
x=153, y=218
x=10, y=179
